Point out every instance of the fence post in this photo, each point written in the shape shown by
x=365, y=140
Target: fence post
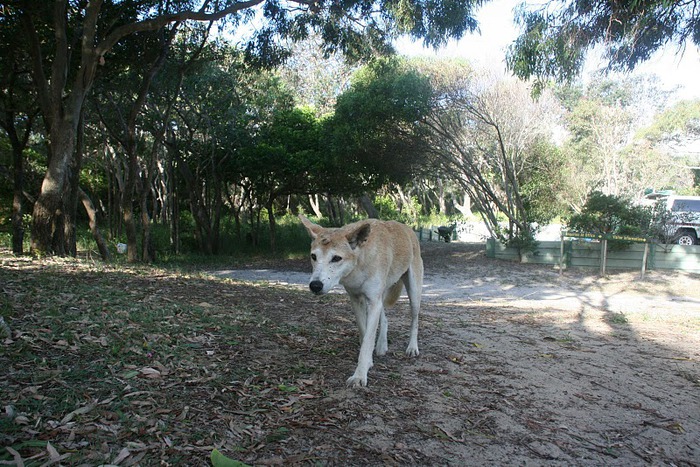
x=561, y=255
x=603, y=255
x=644, y=259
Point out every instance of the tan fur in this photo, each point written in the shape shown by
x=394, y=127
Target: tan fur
x=373, y=260
x=393, y=293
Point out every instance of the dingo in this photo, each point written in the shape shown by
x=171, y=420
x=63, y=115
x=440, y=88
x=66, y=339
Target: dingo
x=373, y=260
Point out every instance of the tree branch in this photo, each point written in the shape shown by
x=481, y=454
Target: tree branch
x=160, y=21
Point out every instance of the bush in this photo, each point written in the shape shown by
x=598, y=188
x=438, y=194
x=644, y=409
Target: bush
x=389, y=211
x=612, y=215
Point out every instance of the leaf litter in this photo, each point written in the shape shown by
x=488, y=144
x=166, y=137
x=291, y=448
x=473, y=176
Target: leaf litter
x=144, y=366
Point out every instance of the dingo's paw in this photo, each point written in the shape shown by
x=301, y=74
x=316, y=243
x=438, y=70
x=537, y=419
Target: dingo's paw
x=381, y=349
x=356, y=381
x=412, y=351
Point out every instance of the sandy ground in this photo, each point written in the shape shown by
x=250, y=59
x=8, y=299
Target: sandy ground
x=459, y=273
x=522, y=366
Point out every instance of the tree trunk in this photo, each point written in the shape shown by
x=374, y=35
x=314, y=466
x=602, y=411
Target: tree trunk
x=197, y=203
x=216, y=216
x=466, y=207
x=132, y=255
x=315, y=205
x=441, y=197
x=17, y=210
x=70, y=209
x=147, y=191
x=46, y=219
x=369, y=207
x=273, y=225
x=174, y=207
x=148, y=249
x=237, y=204
x=71, y=195
x=92, y=215
x=332, y=213
x=18, y=185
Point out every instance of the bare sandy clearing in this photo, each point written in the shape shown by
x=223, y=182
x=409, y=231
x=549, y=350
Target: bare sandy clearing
x=520, y=366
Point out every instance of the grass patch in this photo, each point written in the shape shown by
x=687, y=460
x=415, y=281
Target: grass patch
x=618, y=318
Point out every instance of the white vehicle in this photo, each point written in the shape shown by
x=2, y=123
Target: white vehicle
x=685, y=224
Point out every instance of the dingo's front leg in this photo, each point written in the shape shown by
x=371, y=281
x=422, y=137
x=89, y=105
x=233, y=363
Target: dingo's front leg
x=359, y=307
x=364, y=361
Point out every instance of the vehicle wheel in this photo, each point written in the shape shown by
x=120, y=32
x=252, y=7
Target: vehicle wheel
x=687, y=238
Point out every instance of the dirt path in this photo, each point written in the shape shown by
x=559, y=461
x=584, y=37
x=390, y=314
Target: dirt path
x=518, y=366
x=459, y=273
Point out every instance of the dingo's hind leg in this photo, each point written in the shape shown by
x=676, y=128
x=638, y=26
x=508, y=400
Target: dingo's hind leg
x=382, y=344
x=413, y=279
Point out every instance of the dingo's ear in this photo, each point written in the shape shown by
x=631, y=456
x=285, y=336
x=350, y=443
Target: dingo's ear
x=358, y=236
x=312, y=228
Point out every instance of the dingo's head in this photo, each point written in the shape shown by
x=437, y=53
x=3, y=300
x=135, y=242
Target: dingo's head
x=333, y=253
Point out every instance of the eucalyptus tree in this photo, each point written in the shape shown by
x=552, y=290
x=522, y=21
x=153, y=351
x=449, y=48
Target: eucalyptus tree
x=284, y=160
x=316, y=78
x=603, y=148
x=672, y=141
x=556, y=36
x=68, y=40
x=137, y=106
x=18, y=112
x=496, y=141
x=119, y=100
x=677, y=129
x=222, y=114
x=376, y=131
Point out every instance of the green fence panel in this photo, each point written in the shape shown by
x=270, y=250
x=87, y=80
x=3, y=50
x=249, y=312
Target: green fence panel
x=578, y=253
x=683, y=257
x=490, y=247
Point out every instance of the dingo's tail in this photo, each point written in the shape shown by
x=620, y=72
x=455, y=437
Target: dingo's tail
x=393, y=293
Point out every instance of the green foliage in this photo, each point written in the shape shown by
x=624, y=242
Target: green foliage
x=542, y=183
x=541, y=54
x=522, y=240
x=695, y=190
x=680, y=120
x=598, y=151
x=292, y=241
x=285, y=154
x=611, y=215
x=388, y=210
x=493, y=139
x=374, y=129
x=219, y=460
x=435, y=218
x=555, y=39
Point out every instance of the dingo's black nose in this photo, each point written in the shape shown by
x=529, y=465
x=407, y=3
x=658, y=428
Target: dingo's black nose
x=316, y=286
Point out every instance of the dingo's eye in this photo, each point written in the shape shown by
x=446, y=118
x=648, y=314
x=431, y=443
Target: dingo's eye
x=313, y=257
x=335, y=259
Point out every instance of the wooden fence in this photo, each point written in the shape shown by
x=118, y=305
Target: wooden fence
x=588, y=254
